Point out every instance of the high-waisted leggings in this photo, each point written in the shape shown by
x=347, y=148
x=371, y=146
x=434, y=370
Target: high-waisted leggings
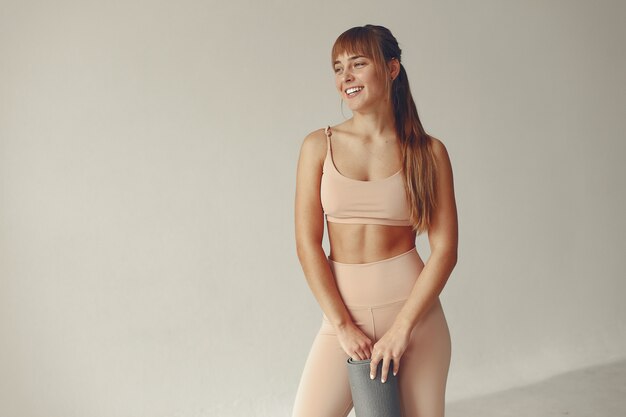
x=374, y=293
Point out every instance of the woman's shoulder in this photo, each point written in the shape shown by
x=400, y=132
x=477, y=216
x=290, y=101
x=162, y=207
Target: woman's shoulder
x=341, y=128
x=437, y=146
x=439, y=150
x=314, y=144
x=315, y=139
x=319, y=135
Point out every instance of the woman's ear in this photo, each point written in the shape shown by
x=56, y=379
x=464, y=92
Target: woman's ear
x=394, y=68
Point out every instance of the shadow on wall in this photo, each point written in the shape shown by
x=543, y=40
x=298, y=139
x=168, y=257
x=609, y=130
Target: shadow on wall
x=595, y=391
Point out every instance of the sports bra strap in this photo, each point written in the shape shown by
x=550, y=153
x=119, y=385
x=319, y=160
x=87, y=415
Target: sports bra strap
x=328, y=135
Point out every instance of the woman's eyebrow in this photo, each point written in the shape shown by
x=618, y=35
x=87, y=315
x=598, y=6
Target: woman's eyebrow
x=352, y=58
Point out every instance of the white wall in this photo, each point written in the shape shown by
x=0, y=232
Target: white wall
x=147, y=166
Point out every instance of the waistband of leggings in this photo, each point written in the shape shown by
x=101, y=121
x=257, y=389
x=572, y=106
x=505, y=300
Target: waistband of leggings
x=393, y=258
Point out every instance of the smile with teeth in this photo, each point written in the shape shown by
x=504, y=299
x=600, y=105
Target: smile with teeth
x=353, y=91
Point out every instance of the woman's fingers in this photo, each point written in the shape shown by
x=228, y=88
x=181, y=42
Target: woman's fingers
x=376, y=358
x=368, y=351
x=385, y=369
x=396, y=366
x=387, y=360
x=356, y=344
x=366, y=348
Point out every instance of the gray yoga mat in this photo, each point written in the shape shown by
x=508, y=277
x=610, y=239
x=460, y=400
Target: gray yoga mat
x=371, y=397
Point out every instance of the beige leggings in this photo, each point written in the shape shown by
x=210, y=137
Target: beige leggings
x=374, y=293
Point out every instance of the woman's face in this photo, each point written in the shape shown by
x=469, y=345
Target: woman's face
x=357, y=81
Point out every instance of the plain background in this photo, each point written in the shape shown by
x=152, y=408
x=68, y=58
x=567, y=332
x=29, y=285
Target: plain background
x=147, y=175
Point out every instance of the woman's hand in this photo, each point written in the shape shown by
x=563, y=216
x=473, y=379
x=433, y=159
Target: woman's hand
x=390, y=347
x=354, y=342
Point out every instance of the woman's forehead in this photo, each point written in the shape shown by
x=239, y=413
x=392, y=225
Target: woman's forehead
x=349, y=54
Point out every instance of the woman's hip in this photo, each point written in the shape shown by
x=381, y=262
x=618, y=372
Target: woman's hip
x=377, y=283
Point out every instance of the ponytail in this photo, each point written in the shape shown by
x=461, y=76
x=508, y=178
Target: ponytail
x=418, y=160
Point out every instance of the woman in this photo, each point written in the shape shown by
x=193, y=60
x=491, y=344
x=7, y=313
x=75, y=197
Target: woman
x=379, y=180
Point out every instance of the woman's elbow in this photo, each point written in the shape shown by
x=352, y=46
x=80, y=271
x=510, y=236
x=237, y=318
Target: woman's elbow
x=448, y=255
x=304, y=248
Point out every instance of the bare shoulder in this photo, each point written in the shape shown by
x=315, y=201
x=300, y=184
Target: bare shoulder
x=316, y=138
x=440, y=150
x=314, y=145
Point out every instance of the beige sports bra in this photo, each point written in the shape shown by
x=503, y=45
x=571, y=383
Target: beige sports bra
x=346, y=200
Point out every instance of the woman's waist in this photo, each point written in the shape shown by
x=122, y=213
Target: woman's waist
x=360, y=244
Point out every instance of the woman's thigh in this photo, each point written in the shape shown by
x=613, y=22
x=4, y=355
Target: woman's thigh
x=424, y=365
x=324, y=389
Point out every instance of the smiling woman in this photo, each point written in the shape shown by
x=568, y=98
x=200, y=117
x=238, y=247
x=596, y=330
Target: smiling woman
x=378, y=180
x=364, y=73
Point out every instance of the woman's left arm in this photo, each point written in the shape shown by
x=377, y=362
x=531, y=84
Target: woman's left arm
x=443, y=239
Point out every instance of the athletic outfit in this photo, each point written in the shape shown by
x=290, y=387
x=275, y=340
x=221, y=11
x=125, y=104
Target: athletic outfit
x=374, y=293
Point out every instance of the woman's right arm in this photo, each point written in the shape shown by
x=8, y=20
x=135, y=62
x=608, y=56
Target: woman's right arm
x=309, y=226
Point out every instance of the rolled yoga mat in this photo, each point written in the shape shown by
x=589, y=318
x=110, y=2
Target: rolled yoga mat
x=371, y=397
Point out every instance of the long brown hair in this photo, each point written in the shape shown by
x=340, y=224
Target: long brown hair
x=418, y=160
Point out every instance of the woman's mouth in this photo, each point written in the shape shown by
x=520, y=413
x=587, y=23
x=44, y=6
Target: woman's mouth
x=353, y=91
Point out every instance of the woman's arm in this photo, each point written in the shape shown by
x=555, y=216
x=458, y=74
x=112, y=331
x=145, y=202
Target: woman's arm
x=443, y=238
x=309, y=226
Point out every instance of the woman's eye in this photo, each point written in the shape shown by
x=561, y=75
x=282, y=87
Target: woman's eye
x=359, y=64
x=337, y=70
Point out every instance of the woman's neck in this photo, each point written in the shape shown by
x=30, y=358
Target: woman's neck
x=377, y=123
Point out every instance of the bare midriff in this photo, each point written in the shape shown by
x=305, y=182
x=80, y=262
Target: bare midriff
x=363, y=243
